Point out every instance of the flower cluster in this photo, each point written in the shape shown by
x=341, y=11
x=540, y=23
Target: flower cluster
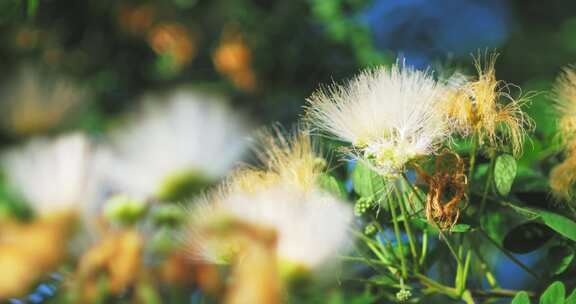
x=309, y=224
x=563, y=176
x=389, y=115
x=250, y=232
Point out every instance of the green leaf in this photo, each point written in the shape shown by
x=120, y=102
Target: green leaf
x=559, y=223
x=423, y=224
x=459, y=228
x=521, y=298
x=527, y=237
x=366, y=182
x=554, y=294
x=333, y=185
x=504, y=173
x=560, y=258
x=571, y=298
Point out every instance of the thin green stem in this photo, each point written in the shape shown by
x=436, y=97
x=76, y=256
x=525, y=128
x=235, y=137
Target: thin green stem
x=449, y=291
x=490, y=278
x=424, y=247
x=488, y=184
x=473, y=153
x=398, y=238
x=408, y=229
x=509, y=255
x=465, y=270
x=442, y=235
x=387, y=247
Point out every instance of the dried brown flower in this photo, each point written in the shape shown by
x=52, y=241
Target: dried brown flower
x=446, y=189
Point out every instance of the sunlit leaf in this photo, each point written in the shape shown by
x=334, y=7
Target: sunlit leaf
x=504, y=173
x=554, y=294
x=521, y=298
x=366, y=182
x=559, y=223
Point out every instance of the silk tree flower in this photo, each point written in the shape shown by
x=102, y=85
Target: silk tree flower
x=563, y=176
x=310, y=225
x=389, y=115
x=51, y=174
x=185, y=140
x=484, y=108
x=35, y=102
x=283, y=159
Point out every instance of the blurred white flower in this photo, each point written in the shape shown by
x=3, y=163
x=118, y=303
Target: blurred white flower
x=281, y=207
x=35, y=102
x=51, y=174
x=390, y=115
x=311, y=228
x=189, y=135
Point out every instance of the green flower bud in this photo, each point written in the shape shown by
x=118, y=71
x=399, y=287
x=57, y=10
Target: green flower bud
x=362, y=205
x=370, y=229
x=125, y=210
x=169, y=215
x=403, y=295
x=181, y=186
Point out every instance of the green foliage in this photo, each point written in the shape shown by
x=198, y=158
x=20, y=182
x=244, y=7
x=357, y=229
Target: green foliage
x=526, y=237
x=333, y=185
x=521, y=298
x=560, y=258
x=504, y=173
x=293, y=46
x=559, y=223
x=554, y=294
x=366, y=182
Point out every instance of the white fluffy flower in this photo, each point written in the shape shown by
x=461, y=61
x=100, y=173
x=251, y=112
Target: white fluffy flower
x=390, y=115
x=51, y=174
x=312, y=228
x=188, y=132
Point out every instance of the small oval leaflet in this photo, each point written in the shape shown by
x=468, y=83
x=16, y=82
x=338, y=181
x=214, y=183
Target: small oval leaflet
x=504, y=173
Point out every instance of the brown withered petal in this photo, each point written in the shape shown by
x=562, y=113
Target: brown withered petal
x=119, y=255
x=446, y=189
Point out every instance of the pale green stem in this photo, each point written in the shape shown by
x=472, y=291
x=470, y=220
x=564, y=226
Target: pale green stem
x=442, y=235
x=398, y=238
x=424, y=247
x=464, y=272
x=408, y=229
x=473, y=153
x=509, y=255
x=488, y=184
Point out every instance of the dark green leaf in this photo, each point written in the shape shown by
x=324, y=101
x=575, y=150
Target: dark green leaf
x=504, y=173
x=559, y=223
x=554, y=294
x=560, y=258
x=521, y=298
x=571, y=298
x=527, y=237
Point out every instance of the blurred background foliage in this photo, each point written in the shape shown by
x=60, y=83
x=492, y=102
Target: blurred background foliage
x=268, y=54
